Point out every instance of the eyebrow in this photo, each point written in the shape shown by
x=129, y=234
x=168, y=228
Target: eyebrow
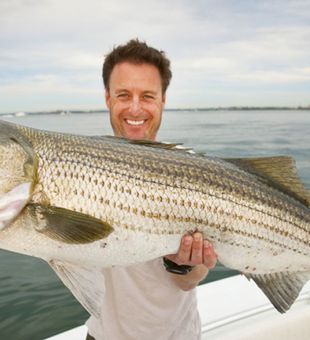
x=150, y=91
x=120, y=90
x=144, y=92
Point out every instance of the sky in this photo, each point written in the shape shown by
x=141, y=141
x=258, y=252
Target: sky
x=223, y=52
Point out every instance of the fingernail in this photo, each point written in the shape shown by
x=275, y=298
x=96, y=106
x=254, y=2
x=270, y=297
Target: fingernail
x=187, y=240
x=197, y=237
x=206, y=244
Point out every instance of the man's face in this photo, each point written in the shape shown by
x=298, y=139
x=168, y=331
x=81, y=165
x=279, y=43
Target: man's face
x=135, y=100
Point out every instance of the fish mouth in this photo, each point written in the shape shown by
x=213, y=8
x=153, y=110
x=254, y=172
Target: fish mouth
x=135, y=122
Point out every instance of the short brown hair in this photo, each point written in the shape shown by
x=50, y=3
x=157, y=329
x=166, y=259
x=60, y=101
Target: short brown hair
x=137, y=52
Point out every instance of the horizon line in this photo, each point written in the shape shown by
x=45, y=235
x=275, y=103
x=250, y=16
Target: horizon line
x=215, y=108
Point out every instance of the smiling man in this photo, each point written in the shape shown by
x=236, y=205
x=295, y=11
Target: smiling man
x=153, y=300
x=135, y=99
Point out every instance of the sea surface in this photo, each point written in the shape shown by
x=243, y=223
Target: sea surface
x=34, y=304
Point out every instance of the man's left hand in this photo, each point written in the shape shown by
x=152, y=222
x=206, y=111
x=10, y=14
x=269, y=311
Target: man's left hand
x=194, y=250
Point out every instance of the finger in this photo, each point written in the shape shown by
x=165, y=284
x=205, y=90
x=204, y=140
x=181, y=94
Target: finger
x=197, y=249
x=184, y=253
x=210, y=257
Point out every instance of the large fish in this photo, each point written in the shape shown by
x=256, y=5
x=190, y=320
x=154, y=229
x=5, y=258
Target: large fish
x=82, y=203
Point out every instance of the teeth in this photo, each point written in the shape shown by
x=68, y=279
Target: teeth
x=134, y=122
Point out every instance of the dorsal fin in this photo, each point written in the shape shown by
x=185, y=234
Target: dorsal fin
x=161, y=145
x=153, y=144
x=149, y=143
x=278, y=171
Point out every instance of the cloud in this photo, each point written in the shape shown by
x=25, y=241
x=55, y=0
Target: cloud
x=272, y=56
x=55, y=47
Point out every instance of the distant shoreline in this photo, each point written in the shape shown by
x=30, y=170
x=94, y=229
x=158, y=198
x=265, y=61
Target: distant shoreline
x=242, y=108
x=230, y=108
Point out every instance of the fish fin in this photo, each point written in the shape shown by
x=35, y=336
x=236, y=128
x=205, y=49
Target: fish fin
x=155, y=144
x=148, y=143
x=279, y=172
x=68, y=226
x=13, y=202
x=86, y=285
x=282, y=289
x=162, y=145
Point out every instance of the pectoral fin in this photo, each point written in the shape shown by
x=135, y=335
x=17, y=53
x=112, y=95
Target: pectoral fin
x=282, y=289
x=12, y=203
x=86, y=284
x=68, y=226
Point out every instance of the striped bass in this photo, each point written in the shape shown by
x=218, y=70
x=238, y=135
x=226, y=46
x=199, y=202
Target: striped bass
x=82, y=203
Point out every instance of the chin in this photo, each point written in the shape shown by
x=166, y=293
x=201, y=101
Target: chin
x=136, y=135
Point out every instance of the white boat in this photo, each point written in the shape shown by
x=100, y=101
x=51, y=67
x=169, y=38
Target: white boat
x=20, y=114
x=236, y=309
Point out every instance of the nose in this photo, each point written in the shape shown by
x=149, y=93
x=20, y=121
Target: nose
x=135, y=107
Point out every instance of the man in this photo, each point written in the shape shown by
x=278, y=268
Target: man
x=153, y=300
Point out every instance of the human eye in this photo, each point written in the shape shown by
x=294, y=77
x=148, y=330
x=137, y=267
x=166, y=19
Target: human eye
x=122, y=95
x=148, y=96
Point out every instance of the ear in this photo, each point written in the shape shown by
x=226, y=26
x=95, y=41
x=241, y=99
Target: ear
x=107, y=98
x=164, y=99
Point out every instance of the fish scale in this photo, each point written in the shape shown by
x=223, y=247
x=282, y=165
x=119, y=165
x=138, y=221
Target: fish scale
x=103, y=201
x=170, y=171
x=119, y=211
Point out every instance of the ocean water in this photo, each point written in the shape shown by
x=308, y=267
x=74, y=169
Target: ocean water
x=34, y=304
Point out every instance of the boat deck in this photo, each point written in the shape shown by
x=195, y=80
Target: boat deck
x=234, y=308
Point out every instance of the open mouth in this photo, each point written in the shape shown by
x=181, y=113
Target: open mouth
x=134, y=122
